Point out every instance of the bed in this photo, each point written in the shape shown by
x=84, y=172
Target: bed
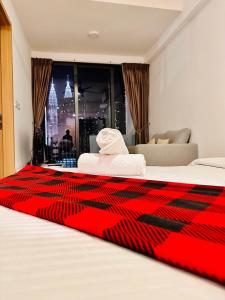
x=44, y=260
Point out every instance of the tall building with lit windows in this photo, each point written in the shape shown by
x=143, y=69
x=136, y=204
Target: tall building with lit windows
x=52, y=118
x=66, y=110
x=68, y=91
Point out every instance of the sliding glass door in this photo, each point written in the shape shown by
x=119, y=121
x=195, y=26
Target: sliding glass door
x=60, y=116
x=83, y=99
x=94, y=109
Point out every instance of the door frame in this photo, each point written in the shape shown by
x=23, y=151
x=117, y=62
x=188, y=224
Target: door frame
x=7, y=164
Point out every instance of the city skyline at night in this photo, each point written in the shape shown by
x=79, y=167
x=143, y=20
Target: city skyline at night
x=59, y=111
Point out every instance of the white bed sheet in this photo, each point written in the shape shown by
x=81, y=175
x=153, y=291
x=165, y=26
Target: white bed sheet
x=40, y=260
x=198, y=174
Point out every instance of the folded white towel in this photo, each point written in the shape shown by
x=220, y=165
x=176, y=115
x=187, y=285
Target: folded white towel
x=111, y=141
x=112, y=165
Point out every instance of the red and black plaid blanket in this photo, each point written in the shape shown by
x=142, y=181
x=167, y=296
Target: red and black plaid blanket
x=180, y=224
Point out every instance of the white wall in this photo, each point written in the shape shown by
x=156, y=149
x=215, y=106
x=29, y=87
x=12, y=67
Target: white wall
x=187, y=81
x=22, y=89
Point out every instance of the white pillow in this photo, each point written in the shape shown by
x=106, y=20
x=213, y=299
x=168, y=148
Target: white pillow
x=216, y=162
x=152, y=141
x=163, y=141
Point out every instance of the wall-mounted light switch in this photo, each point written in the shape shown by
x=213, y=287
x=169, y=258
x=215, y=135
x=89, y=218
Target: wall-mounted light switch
x=17, y=105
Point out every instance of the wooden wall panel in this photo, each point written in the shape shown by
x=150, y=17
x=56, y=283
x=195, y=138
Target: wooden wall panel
x=6, y=95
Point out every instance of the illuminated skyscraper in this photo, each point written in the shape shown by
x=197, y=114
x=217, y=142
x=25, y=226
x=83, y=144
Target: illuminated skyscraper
x=68, y=91
x=52, y=119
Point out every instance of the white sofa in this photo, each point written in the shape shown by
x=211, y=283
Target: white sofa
x=177, y=153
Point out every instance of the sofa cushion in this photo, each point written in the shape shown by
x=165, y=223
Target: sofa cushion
x=163, y=141
x=159, y=136
x=181, y=136
x=152, y=141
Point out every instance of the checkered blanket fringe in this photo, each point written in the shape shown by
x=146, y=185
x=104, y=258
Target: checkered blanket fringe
x=180, y=224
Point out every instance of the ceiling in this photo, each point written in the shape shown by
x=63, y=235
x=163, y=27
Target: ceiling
x=63, y=25
x=165, y=4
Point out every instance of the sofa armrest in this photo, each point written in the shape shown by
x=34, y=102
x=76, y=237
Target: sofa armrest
x=132, y=149
x=169, y=154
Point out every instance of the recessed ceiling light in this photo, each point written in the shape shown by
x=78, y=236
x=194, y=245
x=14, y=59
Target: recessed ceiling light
x=93, y=34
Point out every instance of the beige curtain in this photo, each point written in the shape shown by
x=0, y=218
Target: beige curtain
x=41, y=74
x=136, y=81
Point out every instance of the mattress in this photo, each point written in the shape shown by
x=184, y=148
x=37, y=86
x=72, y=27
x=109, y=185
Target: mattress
x=42, y=260
x=197, y=174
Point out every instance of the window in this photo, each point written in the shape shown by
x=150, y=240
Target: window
x=83, y=99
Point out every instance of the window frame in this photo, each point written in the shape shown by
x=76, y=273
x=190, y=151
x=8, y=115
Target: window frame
x=75, y=65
